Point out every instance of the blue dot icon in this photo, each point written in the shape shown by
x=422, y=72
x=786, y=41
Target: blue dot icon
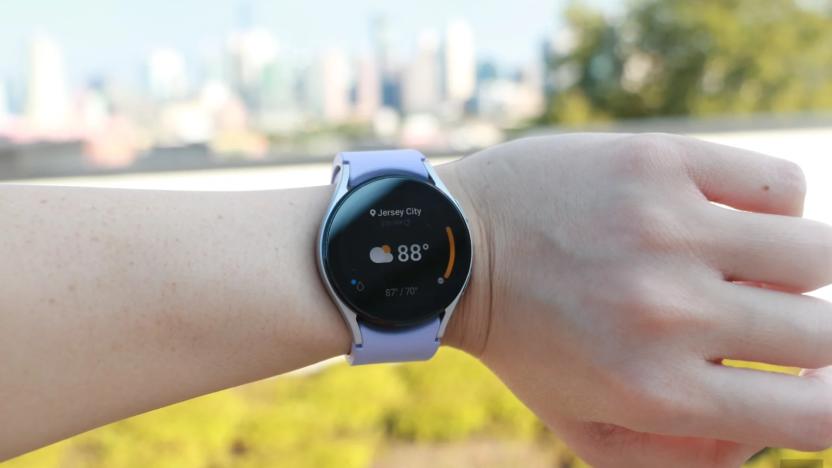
x=353, y=281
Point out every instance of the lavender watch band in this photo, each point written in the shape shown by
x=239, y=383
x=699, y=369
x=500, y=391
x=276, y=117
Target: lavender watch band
x=409, y=344
x=417, y=343
x=365, y=165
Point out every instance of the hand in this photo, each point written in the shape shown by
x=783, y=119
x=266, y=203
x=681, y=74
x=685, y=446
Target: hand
x=607, y=289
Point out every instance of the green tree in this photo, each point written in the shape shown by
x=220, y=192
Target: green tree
x=676, y=57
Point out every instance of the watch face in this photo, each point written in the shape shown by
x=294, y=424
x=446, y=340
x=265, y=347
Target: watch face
x=396, y=250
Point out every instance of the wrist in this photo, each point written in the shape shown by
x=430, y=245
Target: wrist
x=470, y=324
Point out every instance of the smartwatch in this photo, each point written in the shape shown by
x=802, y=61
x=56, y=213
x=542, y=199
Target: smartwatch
x=394, y=251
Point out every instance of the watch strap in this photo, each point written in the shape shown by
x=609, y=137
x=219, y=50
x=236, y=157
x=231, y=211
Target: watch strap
x=415, y=343
x=365, y=165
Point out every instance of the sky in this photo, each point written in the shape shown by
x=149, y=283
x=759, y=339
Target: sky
x=111, y=39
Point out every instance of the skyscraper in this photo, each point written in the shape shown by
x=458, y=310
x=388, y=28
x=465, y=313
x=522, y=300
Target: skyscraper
x=421, y=85
x=380, y=36
x=278, y=86
x=47, y=99
x=280, y=107
x=367, y=88
x=328, y=87
x=167, y=75
x=251, y=51
x=389, y=72
x=4, y=103
x=460, y=65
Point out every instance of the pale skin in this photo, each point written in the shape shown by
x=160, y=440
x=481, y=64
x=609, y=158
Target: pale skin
x=606, y=289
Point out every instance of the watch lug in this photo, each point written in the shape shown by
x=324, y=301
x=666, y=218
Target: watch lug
x=449, y=311
x=446, y=317
x=434, y=177
x=437, y=182
x=341, y=178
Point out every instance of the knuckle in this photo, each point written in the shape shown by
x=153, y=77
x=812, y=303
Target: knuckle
x=639, y=291
x=649, y=226
x=642, y=303
x=659, y=306
x=646, y=153
x=656, y=321
x=653, y=402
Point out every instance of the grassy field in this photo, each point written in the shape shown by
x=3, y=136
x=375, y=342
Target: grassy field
x=451, y=412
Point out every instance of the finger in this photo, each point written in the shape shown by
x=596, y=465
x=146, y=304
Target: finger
x=744, y=179
x=793, y=253
x=774, y=327
x=764, y=408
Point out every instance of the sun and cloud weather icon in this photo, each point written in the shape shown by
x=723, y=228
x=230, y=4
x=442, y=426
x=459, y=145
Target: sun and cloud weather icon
x=381, y=254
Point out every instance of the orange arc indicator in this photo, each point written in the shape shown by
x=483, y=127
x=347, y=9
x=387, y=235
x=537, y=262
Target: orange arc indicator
x=452, y=255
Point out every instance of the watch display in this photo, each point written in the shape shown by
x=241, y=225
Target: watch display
x=396, y=250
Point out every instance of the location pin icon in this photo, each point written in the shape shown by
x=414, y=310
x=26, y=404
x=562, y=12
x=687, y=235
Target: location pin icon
x=372, y=212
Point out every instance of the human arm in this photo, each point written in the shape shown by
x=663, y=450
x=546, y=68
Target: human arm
x=582, y=297
x=116, y=302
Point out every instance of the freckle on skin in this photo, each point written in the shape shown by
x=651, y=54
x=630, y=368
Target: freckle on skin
x=765, y=188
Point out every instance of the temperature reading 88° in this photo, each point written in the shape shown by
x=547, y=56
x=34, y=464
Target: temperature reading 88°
x=411, y=253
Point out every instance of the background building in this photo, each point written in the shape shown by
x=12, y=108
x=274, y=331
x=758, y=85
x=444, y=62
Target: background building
x=459, y=65
x=47, y=99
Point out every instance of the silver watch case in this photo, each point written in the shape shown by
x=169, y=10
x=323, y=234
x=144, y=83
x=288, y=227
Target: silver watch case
x=341, y=177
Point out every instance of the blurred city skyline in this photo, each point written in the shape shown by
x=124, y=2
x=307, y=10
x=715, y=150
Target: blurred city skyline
x=97, y=86
x=112, y=40
x=242, y=87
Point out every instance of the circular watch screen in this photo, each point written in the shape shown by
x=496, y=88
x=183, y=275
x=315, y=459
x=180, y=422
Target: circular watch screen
x=396, y=250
